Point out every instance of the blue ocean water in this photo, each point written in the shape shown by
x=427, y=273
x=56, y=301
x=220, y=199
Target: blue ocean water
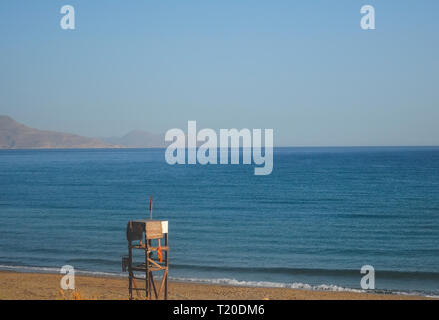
x=313, y=223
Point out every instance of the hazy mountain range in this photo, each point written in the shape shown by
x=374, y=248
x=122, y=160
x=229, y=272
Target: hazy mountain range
x=14, y=135
x=137, y=139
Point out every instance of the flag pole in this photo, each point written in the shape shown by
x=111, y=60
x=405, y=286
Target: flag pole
x=150, y=208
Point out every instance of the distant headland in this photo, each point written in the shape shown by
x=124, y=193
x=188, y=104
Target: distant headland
x=14, y=135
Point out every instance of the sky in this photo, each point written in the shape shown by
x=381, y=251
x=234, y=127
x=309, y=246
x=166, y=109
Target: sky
x=303, y=68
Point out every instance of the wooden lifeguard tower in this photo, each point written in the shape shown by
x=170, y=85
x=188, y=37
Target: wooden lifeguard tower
x=147, y=236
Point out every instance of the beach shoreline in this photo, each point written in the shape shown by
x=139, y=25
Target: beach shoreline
x=46, y=286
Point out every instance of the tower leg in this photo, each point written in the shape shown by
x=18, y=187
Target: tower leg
x=167, y=265
x=147, y=278
x=130, y=270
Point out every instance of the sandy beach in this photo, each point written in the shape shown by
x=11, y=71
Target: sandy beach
x=38, y=286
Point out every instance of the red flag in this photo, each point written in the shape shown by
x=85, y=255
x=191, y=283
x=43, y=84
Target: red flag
x=160, y=252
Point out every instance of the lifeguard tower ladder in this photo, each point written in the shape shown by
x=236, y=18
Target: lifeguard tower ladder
x=147, y=235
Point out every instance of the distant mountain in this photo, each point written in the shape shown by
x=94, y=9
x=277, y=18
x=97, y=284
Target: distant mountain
x=14, y=135
x=138, y=139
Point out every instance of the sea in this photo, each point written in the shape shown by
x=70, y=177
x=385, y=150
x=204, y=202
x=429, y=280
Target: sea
x=322, y=215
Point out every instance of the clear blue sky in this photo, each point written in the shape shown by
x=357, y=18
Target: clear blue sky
x=303, y=68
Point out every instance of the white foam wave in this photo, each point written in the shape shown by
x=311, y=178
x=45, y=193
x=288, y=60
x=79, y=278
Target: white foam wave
x=267, y=284
x=29, y=269
x=57, y=270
